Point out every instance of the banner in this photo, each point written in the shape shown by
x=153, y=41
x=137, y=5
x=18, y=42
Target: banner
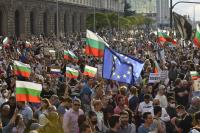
x=99, y=70
x=196, y=85
x=154, y=78
x=163, y=75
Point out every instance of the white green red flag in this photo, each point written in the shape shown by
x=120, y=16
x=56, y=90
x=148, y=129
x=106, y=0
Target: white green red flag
x=197, y=37
x=6, y=42
x=71, y=73
x=163, y=38
x=194, y=75
x=156, y=68
x=94, y=44
x=69, y=55
x=90, y=71
x=28, y=91
x=22, y=69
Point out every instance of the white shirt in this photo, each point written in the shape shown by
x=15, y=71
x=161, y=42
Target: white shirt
x=143, y=107
x=100, y=120
x=163, y=100
x=164, y=116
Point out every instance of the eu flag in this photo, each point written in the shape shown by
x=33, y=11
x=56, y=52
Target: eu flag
x=121, y=67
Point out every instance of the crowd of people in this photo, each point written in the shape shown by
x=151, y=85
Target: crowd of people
x=97, y=105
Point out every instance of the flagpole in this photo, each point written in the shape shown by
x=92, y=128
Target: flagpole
x=57, y=29
x=160, y=12
x=194, y=19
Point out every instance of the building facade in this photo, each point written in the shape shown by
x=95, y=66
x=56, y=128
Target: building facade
x=163, y=12
x=34, y=17
x=143, y=6
x=158, y=9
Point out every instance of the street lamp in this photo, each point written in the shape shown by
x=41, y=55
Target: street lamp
x=94, y=23
x=172, y=6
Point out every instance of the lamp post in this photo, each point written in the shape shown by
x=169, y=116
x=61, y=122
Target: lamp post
x=172, y=6
x=94, y=21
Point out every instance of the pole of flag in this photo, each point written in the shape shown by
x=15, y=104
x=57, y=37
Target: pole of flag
x=118, y=17
x=57, y=29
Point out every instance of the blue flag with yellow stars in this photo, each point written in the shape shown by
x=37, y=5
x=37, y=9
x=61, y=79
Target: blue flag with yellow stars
x=121, y=67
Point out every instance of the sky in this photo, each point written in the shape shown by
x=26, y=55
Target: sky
x=188, y=9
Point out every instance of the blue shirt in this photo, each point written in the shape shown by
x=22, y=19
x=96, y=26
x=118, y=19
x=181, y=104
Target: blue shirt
x=143, y=129
x=27, y=113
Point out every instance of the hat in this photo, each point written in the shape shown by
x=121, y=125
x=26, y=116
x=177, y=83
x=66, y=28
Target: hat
x=35, y=126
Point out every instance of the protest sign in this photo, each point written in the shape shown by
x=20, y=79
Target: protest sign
x=154, y=78
x=163, y=75
x=196, y=85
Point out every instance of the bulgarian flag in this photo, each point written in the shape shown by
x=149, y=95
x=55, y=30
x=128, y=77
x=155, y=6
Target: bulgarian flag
x=69, y=55
x=197, y=37
x=22, y=69
x=94, y=44
x=163, y=38
x=156, y=67
x=6, y=42
x=90, y=71
x=28, y=91
x=71, y=73
x=194, y=75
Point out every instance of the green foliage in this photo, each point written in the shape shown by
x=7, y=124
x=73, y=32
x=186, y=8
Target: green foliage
x=127, y=10
x=110, y=20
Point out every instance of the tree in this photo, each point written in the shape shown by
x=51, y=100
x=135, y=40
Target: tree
x=127, y=10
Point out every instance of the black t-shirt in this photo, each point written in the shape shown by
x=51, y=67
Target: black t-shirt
x=181, y=100
x=185, y=123
x=111, y=131
x=46, y=94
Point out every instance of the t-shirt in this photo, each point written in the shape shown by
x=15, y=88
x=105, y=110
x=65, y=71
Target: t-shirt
x=143, y=107
x=111, y=131
x=61, y=110
x=195, y=130
x=45, y=94
x=163, y=100
x=133, y=102
x=185, y=123
x=143, y=129
x=181, y=100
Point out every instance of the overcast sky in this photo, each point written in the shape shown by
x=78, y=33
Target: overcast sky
x=188, y=9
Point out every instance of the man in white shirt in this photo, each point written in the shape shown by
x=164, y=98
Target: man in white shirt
x=164, y=116
x=145, y=106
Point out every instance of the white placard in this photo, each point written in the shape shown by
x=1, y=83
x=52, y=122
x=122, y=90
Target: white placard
x=163, y=75
x=99, y=70
x=196, y=85
x=154, y=78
